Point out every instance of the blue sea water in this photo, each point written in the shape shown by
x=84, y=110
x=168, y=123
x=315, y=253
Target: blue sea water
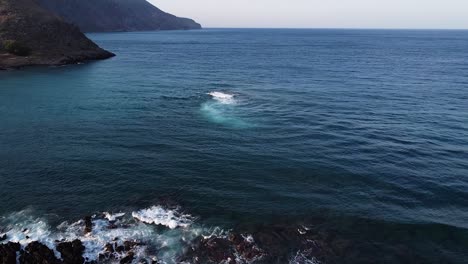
x=365, y=129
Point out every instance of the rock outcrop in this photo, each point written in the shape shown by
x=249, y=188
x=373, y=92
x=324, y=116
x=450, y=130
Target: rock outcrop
x=8, y=252
x=30, y=35
x=116, y=15
x=36, y=252
x=72, y=252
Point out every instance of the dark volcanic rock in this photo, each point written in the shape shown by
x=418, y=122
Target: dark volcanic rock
x=107, y=252
x=270, y=244
x=37, y=253
x=88, y=224
x=116, y=15
x=223, y=250
x=41, y=38
x=128, y=258
x=112, y=251
x=8, y=252
x=72, y=252
x=215, y=250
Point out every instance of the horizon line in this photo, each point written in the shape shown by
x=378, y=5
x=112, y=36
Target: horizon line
x=339, y=28
x=283, y=28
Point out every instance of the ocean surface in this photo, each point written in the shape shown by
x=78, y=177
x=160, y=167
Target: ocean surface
x=358, y=136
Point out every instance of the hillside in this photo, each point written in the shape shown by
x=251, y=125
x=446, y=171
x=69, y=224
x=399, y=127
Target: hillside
x=116, y=15
x=30, y=35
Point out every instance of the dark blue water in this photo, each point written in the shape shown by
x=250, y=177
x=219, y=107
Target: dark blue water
x=365, y=129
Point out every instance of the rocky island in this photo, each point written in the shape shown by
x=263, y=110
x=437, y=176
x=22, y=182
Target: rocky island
x=30, y=35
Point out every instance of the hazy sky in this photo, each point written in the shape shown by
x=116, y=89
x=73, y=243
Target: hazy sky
x=322, y=13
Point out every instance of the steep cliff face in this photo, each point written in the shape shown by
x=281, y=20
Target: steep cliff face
x=30, y=35
x=116, y=15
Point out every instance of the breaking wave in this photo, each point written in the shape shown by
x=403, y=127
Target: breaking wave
x=221, y=97
x=153, y=235
x=224, y=109
x=107, y=236
x=159, y=216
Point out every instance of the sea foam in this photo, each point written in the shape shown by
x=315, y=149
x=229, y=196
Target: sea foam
x=153, y=235
x=224, y=109
x=108, y=228
x=221, y=97
x=113, y=217
x=160, y=216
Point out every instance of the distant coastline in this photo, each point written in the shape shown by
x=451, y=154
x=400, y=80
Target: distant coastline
x=48, y=32
x=116, y=16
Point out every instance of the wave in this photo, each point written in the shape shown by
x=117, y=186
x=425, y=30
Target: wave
x=153, y=235
x=159, y=216
x=223, y=98
x=106, y=237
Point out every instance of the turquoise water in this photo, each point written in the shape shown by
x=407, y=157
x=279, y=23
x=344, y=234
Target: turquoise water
x=360, y=133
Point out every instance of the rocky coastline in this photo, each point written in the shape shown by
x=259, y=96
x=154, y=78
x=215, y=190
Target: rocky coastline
x=267, y=244
x=30, y=35
x=166, y=234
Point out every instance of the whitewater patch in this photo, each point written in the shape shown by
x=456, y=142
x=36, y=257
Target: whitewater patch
x=158, y=235
x=225, y=109
x=301, y=258
x=159, y=216
x=23, y=228
x=223, y=98
x=113, y=217
x=110, y=231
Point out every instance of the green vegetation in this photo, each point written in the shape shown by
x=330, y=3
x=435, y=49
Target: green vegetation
x=16, y=48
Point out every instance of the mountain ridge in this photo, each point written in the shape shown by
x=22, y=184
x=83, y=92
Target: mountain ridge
x=116, y=15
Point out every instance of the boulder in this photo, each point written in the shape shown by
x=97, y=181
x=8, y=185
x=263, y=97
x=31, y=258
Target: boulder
x=38, y=253
x=88, y=224
x=72, y=252
x=8, y=252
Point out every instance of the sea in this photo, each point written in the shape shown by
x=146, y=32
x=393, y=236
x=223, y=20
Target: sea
x=244, y=146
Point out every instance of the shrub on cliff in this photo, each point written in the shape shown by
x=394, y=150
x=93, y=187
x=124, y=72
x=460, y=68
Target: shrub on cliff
x=16, y=48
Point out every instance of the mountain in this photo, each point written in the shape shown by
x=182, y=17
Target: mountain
x=30, y=35
x=116, y=15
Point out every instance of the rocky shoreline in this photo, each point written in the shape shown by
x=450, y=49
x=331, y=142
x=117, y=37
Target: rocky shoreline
x=269, y=244
x=30, y=35
x=10, y=62
x=165, y=234
x=71, y=253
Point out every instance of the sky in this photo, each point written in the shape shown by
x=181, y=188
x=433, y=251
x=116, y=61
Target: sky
x=436, y=14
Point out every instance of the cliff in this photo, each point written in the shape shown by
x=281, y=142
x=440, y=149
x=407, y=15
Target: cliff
x=116, y=15
x=30, y=35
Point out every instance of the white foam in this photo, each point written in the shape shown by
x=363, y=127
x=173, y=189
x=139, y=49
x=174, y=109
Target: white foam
x=102, y=234
x=24, y=228
x=215, y=232
x=159, y=216
x=248, y=238
x=301, y=258
x=221, y=97
x=113, y=217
